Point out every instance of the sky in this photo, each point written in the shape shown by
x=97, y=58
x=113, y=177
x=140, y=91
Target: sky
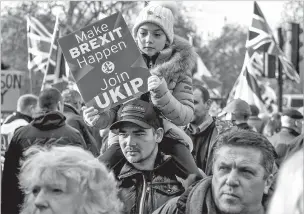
x=209, y=15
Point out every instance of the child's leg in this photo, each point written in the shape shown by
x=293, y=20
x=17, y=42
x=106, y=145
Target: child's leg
x=181, y=156
x=177, y=133
x=113, y=154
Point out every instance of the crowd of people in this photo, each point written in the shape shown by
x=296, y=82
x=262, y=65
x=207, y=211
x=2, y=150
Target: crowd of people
x=160, y=153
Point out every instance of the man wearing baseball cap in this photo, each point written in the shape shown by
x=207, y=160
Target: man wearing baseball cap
x=291, y=120
x=237, y=112
x=146, y=177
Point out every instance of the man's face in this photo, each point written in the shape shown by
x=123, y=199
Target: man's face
x=238, y=179
x=298, y=125
x=201, y=108
x=137, y=144
x=33, y=110
x=55, y=199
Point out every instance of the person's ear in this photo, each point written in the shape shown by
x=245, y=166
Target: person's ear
x=60, y=106
x=31, y=109
x=209, y=102
x=159, y=134
x=268, y=183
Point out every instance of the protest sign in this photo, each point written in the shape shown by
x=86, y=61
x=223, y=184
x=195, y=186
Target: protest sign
x=106, y=63
x=11, y=83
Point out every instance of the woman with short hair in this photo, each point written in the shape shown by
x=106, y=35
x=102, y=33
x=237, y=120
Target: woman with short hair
x=69, y=180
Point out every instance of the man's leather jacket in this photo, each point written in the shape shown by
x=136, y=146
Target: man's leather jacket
x=145, y=191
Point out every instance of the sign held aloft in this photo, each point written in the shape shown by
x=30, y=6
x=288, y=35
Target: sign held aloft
x=11, y=83
x=106, y=63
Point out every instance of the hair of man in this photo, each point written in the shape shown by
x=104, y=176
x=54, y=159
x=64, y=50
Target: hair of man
x=49, y=98
x=25, y=101
x=250, y=139
x=72, y=97
x=205, y=93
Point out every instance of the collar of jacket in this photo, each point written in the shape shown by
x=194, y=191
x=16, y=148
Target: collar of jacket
x=199, y=199
x=178, y=58
x=254, y=118
x=243, y=126
x=70, y=108
x=149, y=59
x=48, y=120
x=18, y=115
x=129, y=170
x=194, y=129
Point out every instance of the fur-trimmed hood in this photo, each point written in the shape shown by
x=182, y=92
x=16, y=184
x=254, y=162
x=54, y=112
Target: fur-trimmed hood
x=178, y=59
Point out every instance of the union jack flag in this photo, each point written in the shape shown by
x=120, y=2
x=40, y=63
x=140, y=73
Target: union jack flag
x=56, y=71
x=247, y=87
x=38, y=42
x=260, y=39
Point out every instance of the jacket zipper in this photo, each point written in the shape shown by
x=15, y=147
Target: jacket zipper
x=143, y=197
x=150, y=62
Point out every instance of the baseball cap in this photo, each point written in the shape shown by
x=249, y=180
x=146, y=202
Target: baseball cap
x=139, y=112
x=238, y=106
x=292, y=113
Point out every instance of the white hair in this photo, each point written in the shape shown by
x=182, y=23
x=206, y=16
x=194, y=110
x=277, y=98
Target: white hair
x=70, y=164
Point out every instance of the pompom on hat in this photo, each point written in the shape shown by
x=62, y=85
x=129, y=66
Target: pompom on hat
x=159, y=13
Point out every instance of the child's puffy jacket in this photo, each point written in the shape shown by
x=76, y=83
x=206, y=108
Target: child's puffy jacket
x=174, y=97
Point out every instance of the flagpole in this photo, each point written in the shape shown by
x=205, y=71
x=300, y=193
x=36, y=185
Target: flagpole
x=50, y=54
x=264, y=63
x=280, y=73
x=28, y=55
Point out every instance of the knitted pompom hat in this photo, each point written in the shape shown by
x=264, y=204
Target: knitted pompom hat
x=159, y=13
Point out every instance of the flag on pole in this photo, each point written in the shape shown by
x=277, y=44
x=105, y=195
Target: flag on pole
x=260, y=39
x=246, y=86
x=38, y=42
x=56, y=70
x=203, y=74
x=202, y=70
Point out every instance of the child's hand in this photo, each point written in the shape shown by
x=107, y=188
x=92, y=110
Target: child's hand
x=153, y=82
x=90, y=115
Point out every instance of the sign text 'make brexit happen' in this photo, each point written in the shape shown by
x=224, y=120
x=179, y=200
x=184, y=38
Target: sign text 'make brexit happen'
x=111, y=67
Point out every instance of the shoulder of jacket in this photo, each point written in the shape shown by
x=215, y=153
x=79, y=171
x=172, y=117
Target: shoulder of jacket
x=71, y=129
x=181, y=43
x=6, y=128
x=184, y=53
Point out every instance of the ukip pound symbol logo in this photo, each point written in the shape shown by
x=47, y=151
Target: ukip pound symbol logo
x=108, y=67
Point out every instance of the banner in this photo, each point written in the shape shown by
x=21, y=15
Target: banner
x=11, y=83
x=106, y=63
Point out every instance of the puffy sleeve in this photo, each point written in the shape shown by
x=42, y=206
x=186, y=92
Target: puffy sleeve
x=177, y=106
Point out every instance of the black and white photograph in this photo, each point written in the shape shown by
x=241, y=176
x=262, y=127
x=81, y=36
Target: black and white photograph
x=152, y=107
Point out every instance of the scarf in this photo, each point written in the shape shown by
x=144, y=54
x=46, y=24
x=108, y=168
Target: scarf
x=198, y=199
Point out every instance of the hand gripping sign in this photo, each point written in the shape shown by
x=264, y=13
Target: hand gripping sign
x=106, y=63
